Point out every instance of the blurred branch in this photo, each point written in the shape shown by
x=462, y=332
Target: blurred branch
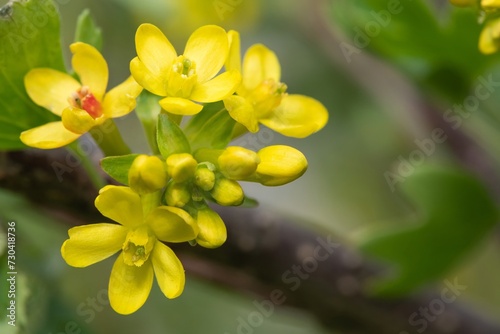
x=266, y=255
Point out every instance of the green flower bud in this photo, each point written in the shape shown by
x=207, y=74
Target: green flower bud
x=181, y=167
x=279, y=165
x=147, y=174
x=227, y=192
x=238, y=163
x=204, y=178
x=177, y=194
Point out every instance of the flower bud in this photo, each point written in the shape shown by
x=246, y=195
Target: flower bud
x=238, y=163
x=204, y=178
x=279, y=165
x=181, y=167
x=213, y=232
x=227, y=192
x=177, y=194
x=489, y=39
x=147, y=174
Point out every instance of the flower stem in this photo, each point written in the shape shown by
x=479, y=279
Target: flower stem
x=94, y=176
x=238, y=131
x=109, y=139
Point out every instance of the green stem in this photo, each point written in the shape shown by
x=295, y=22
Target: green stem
x=177, y=119
x=94, y=176
x=238, y=131
x=109, y=139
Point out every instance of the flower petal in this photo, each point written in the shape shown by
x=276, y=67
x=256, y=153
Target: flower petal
x=218, y=88
x=144, y=77
x=297, y=116
x=212, y=229
x=77, y=120
x=233, y=61
x=172, y=224
x=121, y=100
x=129, y=286
x=260, y=64
x=242, y=112
x=89, y=244
x=207, y=47
x=47, y=136
x=168, y=270
x=154, y=49
x=120, y=204
x=180, y=106
x=50, y=88
x=91, y=67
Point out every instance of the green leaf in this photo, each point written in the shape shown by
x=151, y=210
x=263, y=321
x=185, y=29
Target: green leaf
x=455, y=213
x=118, y=167
x=211, y=128
x=170, y=137
x=147, y=111
x=29, y=38
x=87, y=30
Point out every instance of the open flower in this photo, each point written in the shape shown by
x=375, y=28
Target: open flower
x=81, y=105
x=262, y=98
x=187, y=78
x=139, y=237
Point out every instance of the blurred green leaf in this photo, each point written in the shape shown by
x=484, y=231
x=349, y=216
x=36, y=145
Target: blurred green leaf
x=87, y=30
x=455, y=213
x=29, y=36
x=436, y=47
x=118, y=167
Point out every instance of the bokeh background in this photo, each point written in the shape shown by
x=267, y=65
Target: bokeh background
x=381, y=98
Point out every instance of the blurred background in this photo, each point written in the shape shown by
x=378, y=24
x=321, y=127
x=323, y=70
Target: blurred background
x=386, y=85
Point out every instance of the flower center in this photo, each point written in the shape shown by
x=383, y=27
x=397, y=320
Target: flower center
x=138, y=246
x=182, y=77
x=84, y=99
x=267, y=96
x=185, y=67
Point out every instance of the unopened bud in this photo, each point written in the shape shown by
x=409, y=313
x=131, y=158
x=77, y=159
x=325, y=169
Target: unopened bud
x=227, y=192
x=177, y=194
x=238, y=163
x=280, y=164
x=181, y=167
x=147, y=174
x=204, y=178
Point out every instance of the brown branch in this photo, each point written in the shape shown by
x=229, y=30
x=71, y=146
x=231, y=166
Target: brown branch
x=268, y=256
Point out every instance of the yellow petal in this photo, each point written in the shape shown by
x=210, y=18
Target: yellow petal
x=121, y=100
x=486, y=4
x=297, y=116
x=168, y=270
x=91, y=67
x=212, y=229
x=77, y=120
x=154, y=50
x=144, y=77
x=260, y=64
x=280, y=164
x=207, y=47
x=218, y=88
x=50, y=88
x=129, y=286
x=47, y=136
x=233, y=61
x=89, y=244
x=180, y=106
x=242, y=111
x=172, y=224
x=489, y=39
x=120, y=204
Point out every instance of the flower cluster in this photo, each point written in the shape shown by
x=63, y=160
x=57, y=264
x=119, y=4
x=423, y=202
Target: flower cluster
x=489, y=40
x=166, y=195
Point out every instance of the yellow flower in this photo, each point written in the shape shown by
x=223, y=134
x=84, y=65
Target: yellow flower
x=188, y=78
x=262, y=98
x=489, y=40
x=81, y=105
x=486, y=4
x=139, y=237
